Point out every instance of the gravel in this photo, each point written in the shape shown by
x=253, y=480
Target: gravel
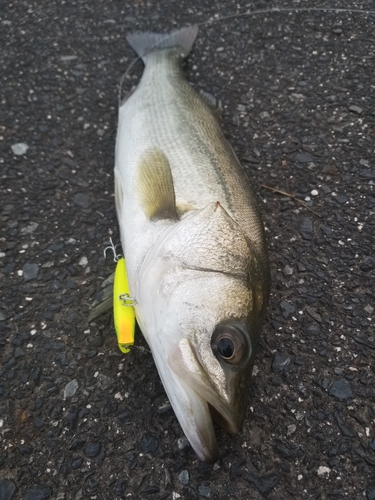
x=183, y=477
x=306, y=228
x=30, y=271
x=7, y=489
x=20, y=148
x=341, y=389
x=298, y=107
x=72, y=386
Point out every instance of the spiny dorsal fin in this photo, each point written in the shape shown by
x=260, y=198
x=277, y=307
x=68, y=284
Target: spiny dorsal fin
x=155, y=186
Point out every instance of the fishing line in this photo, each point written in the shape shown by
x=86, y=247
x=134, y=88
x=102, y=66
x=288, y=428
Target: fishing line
x=285, y=10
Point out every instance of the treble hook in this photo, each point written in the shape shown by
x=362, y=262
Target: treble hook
x=112, y=246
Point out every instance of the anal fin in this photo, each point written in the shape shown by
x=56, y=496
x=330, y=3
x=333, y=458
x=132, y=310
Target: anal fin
x=155, y=186
x=103, y=300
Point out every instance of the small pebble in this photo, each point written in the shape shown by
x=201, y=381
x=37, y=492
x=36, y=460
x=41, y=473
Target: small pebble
x=291, y=429
x=286, y=308
x=29, y=228
x=82, y=200
x=342, y=199
x=323, y=470
x=93, y=449
x=183, y=477
x=41, y=493
x=62, y=359
x=76, y=443
x=204, y=491
x=341, y=389
x=70, y=389
x=104, y=382
x=56, y=247
x=68, y=58
x=120, y=488
x=264, y=483
x=83, y=262
x=7, y=489
x=300, y=361
x=92, y=483
x=18, y=353
x=287, y=271
x=182, y=443
x=368, y=264
x=20, y=148
x=314, y=192
x=38, y=423
x=306, y=228
x=356, y=109
x=30, y=271
x=370, y=491
x=281, y=363
x=314, y=314
x=76, y=463
x=304, y=158
x=369, y=309
x=73, y=318
x=149, y=443
x=79, y=495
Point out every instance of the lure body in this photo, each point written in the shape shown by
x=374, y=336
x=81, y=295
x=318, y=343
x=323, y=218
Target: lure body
x=123, y=310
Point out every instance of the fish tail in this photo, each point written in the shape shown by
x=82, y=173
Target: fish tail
x=144, y=42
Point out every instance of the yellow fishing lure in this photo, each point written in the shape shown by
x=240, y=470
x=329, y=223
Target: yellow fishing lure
x=123, y=310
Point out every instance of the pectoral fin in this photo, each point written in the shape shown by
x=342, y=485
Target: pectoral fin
x=155, y=186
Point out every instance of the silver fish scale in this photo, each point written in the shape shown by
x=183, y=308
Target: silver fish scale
x=203, y=165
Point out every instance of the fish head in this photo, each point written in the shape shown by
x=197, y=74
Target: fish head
x=201, y=301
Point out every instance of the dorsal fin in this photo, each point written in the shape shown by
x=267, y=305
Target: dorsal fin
x=155, y=186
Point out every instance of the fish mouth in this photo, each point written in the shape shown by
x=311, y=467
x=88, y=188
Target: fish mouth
x=199, y=406
x=221, y=421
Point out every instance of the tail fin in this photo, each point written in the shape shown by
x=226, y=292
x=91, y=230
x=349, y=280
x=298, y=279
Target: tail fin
x=144, y=42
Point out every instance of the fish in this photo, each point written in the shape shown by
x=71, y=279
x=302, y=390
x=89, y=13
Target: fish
x=193, y=241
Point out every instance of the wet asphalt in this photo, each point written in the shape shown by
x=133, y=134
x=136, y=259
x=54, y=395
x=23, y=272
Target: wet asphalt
x=79, y=420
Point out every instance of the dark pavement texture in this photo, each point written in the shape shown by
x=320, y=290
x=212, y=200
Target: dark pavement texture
x=77, y=418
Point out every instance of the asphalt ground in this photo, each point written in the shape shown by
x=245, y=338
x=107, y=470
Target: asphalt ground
x=77, y=418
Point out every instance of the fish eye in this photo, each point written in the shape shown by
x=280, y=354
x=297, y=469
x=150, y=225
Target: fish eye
x=225, y=347
x=228, y=343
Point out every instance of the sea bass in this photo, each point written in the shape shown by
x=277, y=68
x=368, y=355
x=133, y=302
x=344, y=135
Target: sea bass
x=193, y=241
